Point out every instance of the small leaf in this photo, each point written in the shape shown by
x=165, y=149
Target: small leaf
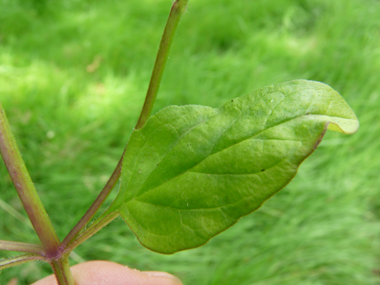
x=192, y=171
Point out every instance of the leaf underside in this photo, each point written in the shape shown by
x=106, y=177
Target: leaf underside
x=192, y=171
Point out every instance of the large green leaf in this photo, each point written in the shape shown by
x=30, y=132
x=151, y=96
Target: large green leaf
x=193, y=171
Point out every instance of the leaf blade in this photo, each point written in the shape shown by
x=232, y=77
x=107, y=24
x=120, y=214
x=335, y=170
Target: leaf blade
x=193, y=171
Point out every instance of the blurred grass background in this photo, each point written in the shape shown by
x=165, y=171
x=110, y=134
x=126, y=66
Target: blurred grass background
x=73, y=76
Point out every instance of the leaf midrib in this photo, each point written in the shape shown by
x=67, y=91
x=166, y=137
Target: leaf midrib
x=250, y=137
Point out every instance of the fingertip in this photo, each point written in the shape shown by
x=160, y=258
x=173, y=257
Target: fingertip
x=163, y=275
x=106, y=273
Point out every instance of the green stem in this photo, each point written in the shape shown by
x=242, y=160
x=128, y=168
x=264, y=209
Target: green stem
x=62, y=271
x=178, y=8
x=95, y=206
x=25, y=187
x=14, y=261
x=92, y=229
x=22, y=246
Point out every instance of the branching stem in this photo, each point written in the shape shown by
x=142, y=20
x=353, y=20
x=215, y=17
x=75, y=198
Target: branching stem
x=52, y=250
x=95, y=206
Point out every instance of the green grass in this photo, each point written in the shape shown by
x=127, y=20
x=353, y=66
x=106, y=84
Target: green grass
x=72, y=125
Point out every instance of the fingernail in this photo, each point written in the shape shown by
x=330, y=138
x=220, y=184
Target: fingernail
x=162, y=275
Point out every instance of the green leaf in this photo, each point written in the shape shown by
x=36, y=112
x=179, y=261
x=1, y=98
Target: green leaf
x=192, y=171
